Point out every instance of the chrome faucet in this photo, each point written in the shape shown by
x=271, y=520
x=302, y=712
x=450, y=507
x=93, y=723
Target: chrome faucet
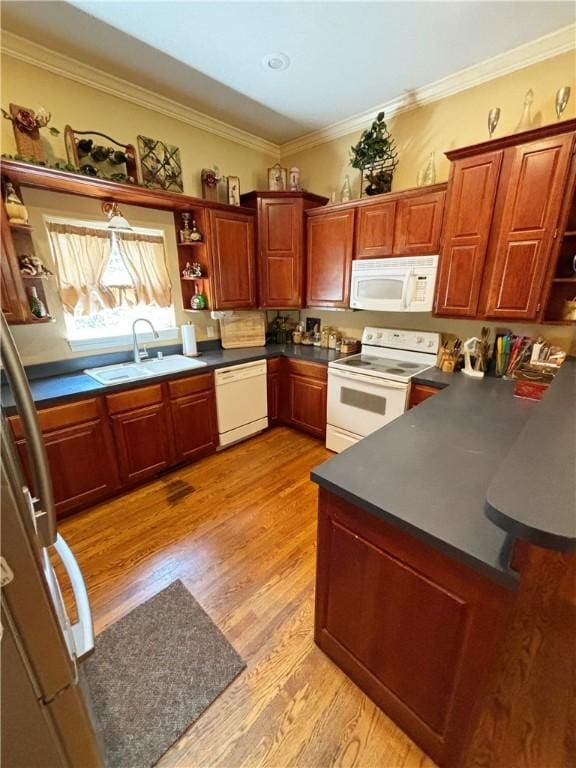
x=140, y=354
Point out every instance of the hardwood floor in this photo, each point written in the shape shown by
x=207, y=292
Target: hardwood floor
x=239, y=529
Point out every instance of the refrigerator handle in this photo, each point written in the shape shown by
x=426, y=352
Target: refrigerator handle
x=44, y=512
x=83, y=629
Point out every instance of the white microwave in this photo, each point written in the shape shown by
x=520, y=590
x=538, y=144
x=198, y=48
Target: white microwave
x=405, y=284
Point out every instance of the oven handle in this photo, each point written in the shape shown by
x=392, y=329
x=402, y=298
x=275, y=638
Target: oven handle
x=377, y=382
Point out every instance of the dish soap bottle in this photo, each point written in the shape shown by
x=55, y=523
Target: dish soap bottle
x=198, y=301
x=37, y=306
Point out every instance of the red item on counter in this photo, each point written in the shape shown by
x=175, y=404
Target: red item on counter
x=532, y=390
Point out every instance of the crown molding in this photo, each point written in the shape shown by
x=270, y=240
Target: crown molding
x=65, y=66
x=524, y=55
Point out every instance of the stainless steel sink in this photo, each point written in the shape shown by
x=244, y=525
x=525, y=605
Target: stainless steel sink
x=157, y=366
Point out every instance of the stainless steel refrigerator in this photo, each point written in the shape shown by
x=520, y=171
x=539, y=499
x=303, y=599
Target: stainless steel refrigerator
x=46, y=719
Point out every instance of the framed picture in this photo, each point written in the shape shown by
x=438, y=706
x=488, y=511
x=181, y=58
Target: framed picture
x=160, y=165
x=277, y=178
x=233, y=190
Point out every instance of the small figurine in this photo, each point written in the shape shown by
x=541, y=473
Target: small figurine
x=32, y=266
x=196, y=269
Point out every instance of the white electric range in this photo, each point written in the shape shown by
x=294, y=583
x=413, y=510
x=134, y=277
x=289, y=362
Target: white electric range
x=369, y=390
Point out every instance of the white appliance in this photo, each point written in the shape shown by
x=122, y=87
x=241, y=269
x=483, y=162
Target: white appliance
x=405, y=284
x=241, y=401
x=46, y=713
x=369, y=390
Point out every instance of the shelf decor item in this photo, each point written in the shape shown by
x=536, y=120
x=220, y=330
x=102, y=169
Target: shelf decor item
x=160, y=165
x=210, y=179
x=15, y=209
x=27, y=124
x=198, y=301
x=526, y=120
x=427, y=174
x=346, y=191
x=562, y=98
x=376, y=157
x=493, y=118
x=114, y=161
x=32, y=266
x=294, y=179
x=277, y=178
x=233, y=183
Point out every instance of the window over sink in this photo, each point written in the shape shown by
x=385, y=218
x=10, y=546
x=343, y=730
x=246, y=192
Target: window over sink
x=106, y=279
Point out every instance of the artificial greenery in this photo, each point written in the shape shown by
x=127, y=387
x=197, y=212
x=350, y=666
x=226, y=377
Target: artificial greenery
x=375, y=156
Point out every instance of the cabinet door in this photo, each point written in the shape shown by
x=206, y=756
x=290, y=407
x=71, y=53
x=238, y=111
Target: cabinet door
x=142, y=442
x=521, y=246
x=13, y=295
x=232, y=257
x=81, y=455
x=274, y=368
x=330, y=240
x=307, y=399
x=421, y=392
x=419, y=224
x=375, y=230
x=470, y=207
x=195, y=426
x=280, y=252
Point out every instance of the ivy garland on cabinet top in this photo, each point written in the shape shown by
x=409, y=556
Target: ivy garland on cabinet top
x=376, y=157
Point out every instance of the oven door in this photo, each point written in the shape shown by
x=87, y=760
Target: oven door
x=385, y=290
x=362, y=404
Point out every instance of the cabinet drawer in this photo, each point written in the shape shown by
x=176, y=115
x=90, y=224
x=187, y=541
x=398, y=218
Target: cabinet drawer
x=273, y=365
x=190, y=386
x=61, y=416
x=311, y=370
x=134, y=398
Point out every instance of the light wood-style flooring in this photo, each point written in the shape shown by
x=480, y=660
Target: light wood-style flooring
x=239, y=529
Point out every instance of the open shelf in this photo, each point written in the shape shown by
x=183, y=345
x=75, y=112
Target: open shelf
x=194, y=244
x=570, y=233
x=20, y=227
x=564, y=279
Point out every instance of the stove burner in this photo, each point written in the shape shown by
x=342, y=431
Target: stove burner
x=395, y=370
x=411, y=365
x=359, y=363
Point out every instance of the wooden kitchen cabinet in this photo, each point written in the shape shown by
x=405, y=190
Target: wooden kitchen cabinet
x=419, y=223
x=274, y=369
x=526, y=225
x=306, y=393
x=415, y=629
x=193, y=414
x=280, y=249
x=330, y=242
x=13, y=296
x=470, y=207
x=421, y=392
x=142, y=432
x=233, y=259
x=80, y=452
x=375, y=230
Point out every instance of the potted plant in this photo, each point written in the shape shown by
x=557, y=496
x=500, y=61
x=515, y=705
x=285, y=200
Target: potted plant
x=376, y=157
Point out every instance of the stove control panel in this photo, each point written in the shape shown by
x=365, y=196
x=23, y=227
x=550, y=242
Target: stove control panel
x=414, y=341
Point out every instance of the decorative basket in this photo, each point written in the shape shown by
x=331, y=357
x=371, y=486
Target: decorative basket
x=569, y=309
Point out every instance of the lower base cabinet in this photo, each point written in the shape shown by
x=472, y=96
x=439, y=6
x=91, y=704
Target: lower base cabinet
x=274, y=382
x=305, y=391
x=415, y=629
x=421, y=392
x=193, y=414
x=80, y=452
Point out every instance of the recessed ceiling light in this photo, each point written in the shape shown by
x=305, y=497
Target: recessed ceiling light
x=276, y=61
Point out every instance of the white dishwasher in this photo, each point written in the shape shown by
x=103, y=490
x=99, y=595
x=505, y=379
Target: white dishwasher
x=241, y=401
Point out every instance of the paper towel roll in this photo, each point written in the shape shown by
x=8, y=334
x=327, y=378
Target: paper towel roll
x=189, y=340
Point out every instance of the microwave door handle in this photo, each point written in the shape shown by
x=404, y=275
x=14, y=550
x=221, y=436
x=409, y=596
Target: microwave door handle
x=44, y=512
x=408, y=289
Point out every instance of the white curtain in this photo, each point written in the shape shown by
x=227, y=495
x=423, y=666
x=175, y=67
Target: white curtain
x=81, y=255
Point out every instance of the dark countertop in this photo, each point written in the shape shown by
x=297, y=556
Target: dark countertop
x=50, y=390
x=533, y=493
x=428, y=471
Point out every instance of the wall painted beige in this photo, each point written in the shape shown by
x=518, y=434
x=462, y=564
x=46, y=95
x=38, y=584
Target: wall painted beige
x=455, y=121
x=86, y=108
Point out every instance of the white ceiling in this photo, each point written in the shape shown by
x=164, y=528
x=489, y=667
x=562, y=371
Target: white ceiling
x=346, y=57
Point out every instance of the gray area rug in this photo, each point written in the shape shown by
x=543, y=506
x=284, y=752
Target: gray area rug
x=154, y=672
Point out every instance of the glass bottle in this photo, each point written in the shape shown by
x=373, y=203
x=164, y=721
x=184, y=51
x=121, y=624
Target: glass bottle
x=526, y=120
x=186, y=232
x=37, y=306
x=195, y=235
x=346, y=193
x=198, y=301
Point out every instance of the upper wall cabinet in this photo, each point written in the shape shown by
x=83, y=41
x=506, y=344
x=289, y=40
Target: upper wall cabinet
x=526, y=225
x=400, y=224
x=471, y=195
x=233, y=260
x=506, y=207
x=330, y=236
x=280, y=249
